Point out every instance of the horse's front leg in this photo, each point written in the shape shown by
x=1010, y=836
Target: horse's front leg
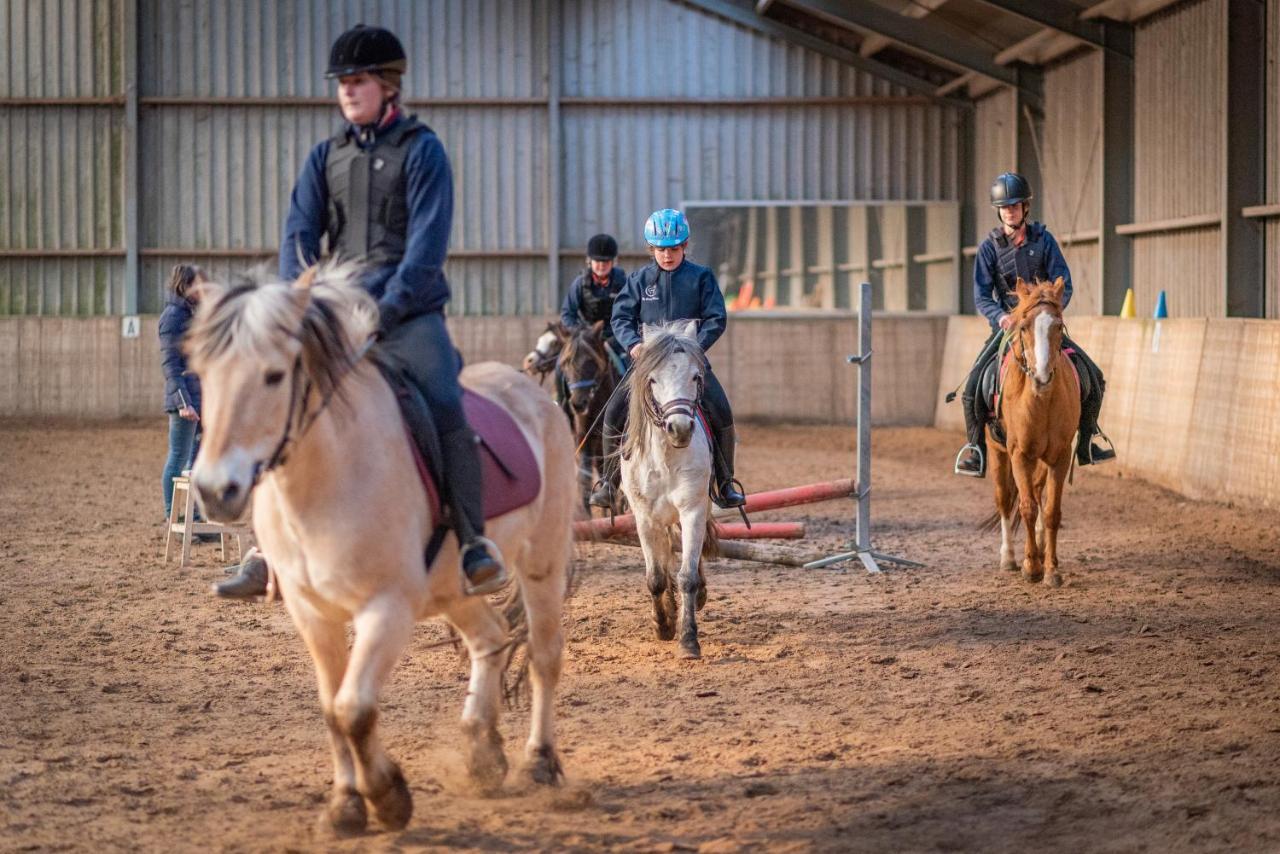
x=1002, y=477
x=1051, y=515
x=382, y=630
x=326, y=640
x=693, y=530
x=485, y=634
x=655, y=543
x=1023, y=476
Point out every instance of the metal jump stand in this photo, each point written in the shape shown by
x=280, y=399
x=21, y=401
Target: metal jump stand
x=862, y=540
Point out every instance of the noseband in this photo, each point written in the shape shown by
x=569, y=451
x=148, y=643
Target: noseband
x=660, y=412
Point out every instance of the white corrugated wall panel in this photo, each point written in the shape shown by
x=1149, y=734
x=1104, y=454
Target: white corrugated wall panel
x=993, y=138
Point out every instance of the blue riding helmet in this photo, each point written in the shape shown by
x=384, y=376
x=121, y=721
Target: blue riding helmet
x=666, y=227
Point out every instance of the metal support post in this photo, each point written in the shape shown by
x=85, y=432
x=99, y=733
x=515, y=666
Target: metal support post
x=862, y=534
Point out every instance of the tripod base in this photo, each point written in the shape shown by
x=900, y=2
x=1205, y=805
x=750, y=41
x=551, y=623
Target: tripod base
x=870, y=559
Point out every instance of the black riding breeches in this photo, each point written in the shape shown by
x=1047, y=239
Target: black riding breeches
x=421, y=351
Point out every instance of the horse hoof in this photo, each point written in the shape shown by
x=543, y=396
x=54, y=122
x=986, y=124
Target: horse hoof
x=664, y=630
x=487, y=764
x=346, y=813
x=393, y=806
x=544, y=767
x=1053, y=579
x=1008, y=566
x=690, y=649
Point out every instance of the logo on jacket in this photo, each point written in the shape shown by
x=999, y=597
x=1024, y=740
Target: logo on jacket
x=651, y=291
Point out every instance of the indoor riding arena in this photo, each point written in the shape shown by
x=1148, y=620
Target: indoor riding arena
x=1070, y=653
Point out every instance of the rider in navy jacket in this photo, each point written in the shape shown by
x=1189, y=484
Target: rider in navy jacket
x=416, y=283
x=672, y=288
x=654, y=296
x=1039, y=255
x=1018, y=249
x=381, y=192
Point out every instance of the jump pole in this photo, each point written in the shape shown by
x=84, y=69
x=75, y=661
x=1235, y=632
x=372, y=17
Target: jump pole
x=862, y=490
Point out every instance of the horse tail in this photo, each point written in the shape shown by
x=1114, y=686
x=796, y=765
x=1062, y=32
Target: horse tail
x=992, y=522
x=515, y=661
x=711, y=539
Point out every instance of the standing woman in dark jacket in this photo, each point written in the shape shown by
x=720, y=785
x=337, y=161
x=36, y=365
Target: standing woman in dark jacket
x=181, y=389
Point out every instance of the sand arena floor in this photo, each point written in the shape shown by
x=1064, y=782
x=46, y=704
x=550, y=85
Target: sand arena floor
x=951, y=708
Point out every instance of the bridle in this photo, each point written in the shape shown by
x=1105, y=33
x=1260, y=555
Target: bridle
x=297, y=421
x=1021, y=357
x=602, y=364
x=660, y=412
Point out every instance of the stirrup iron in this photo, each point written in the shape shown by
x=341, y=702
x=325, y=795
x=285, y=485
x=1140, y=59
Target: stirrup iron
x=1110, y=446
x=493, y=584
x=982, y=460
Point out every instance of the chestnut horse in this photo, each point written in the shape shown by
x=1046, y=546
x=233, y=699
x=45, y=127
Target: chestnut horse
x=1040, y=411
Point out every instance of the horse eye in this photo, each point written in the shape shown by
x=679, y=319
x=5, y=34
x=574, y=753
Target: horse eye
x=273, y=377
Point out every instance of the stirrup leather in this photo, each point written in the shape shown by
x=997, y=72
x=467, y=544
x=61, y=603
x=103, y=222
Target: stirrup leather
x=982, y=462
x=492, y=584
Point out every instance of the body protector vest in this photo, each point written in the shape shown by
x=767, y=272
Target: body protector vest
x=368, y=207
x=595, y=304
x=1027, y=261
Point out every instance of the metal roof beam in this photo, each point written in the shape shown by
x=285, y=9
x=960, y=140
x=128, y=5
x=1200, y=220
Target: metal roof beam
x=1065, y=18
x=742, y=12
x=923, y=36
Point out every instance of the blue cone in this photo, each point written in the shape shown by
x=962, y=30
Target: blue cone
x=1162, y=307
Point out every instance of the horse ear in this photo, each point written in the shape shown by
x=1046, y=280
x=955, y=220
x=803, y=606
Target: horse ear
x=597, y=327
x=1022, y=288
x=648, y=331
x=1059, y=286
x=690, y=330
x=308, y=277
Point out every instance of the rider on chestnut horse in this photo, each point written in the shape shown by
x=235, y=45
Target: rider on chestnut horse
x=1020, y=249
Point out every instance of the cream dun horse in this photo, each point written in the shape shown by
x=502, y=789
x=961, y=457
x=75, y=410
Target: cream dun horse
x=293, y=407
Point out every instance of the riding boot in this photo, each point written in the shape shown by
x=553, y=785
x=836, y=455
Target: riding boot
x=728, y=494
x=1089, y=452
x=250, y=579
x=972, y=459
x=606, y=489
x=462, y=484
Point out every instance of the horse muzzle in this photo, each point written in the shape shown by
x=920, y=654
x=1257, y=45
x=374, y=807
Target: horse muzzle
x=679, y=430
x=223, y=486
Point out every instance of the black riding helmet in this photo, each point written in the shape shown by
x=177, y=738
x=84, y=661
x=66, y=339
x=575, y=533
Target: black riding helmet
x=1010, y=188
x=363, y=48
x=602, y=247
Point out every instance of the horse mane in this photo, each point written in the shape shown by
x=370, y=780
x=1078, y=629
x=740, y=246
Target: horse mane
x=1041, y=293
x=325, y=311
x=658, y=347
x=583, y=339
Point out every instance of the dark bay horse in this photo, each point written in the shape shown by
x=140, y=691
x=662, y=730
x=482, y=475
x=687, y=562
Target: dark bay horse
x=590, y=377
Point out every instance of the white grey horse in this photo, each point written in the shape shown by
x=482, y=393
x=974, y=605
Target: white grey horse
x=666, y=471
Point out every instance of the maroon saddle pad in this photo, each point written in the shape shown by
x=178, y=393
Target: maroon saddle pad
x=510, y=470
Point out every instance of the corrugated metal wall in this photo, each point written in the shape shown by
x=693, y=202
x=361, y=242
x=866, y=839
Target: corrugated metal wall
x=1178, y=157
x=993, y=153
x=1070, y=201
x=61, y=165
x=216, y=166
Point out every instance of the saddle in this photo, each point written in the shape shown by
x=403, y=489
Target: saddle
x=509, y=468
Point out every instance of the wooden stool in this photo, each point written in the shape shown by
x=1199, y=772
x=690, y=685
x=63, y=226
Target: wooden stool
x=189, y=527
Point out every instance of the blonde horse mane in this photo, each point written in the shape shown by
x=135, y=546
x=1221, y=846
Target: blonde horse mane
x=325, y=311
